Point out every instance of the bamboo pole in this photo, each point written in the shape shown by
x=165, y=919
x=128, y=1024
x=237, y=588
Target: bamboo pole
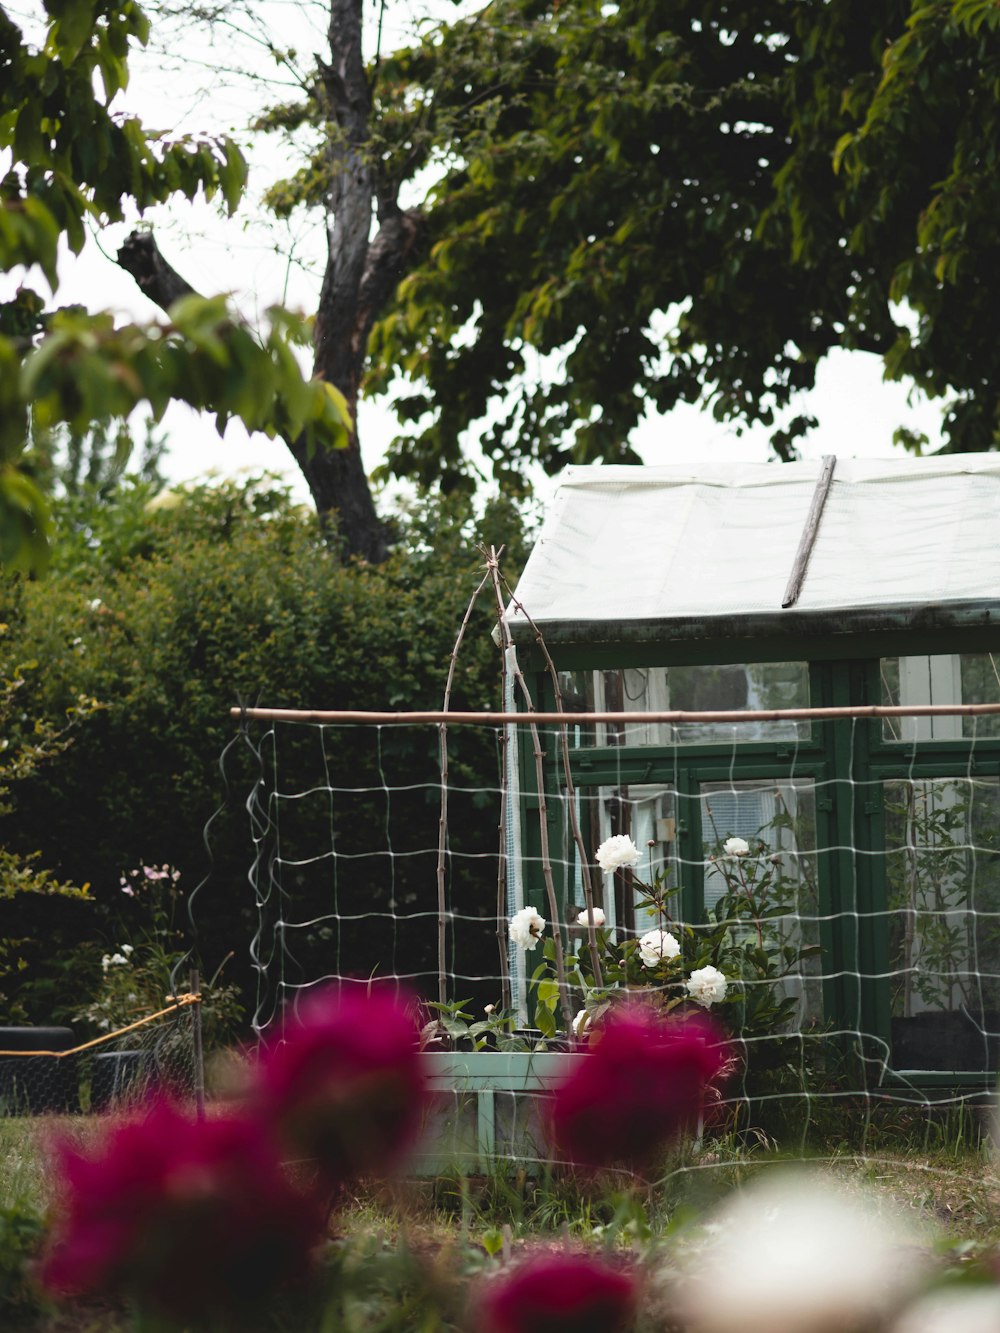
x=442, y=899
x=530, y=717
x=198, y=1052
x=675, y=717
x=574, y=822
x=492, y=557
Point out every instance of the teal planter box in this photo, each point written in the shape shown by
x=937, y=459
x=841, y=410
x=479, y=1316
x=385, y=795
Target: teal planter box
x=489, y=1108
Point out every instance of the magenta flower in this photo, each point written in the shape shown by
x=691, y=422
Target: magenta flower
x=344, y=1087
x=557, y=1293
x=642, y=1084
x=194, y=1220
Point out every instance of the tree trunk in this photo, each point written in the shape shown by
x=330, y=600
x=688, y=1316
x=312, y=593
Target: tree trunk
x=360, y=277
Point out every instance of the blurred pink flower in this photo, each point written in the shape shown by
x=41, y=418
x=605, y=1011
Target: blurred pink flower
x=557, y=1293
x=641, y=1085
x=192, y=1219
x=345, y=1087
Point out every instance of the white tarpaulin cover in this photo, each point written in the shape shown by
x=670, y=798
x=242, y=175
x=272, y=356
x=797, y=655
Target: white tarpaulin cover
x=630, y=544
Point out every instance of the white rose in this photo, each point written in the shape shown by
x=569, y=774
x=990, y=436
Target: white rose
x=598, y=913
x=972, y=1309
x=656, y=945
x=706, y=986
x=616, y=852
x=736, y=847
x=526, y=927
x=793, y=1253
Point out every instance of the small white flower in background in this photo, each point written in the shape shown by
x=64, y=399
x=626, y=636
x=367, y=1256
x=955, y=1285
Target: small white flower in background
x=116, y=960
x=616, y=852
x=105, y=962
x=127, y=949
x=598, y=914
x=526, y=927
x=656, y=945
x=736, y=847
x=707, y=986
x=95, y=604
x=581, y=1023
x=795, y=1255
x=489, y=1008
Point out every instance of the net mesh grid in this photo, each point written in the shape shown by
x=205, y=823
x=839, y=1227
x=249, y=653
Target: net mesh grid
x=344, y=879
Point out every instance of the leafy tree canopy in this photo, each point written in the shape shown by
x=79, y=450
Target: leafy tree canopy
x=690, y=201
x=73, y=160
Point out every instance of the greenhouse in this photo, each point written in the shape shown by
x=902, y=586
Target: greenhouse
x=757, y=588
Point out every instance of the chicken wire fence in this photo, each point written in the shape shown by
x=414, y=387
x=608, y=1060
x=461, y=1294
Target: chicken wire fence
x=47, y=1070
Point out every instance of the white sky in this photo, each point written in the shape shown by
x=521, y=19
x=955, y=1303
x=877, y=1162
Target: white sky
x=261, y=262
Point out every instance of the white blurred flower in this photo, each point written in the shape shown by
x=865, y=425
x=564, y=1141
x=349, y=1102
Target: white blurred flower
x=581, y=1023
x=105, y=962
x=116, y=960
x=706, y=986
x=796, y=1256
x=736, y=847
x=127, y=949
x=968, y=1309
x=526, y=927
x=616, y=852
x=95, y=604
x=598, y=914
x=656, y=945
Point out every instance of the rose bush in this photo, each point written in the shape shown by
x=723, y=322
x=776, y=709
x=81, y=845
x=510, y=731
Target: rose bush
x=735, y=963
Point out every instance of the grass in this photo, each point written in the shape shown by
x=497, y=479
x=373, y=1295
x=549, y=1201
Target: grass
x=948, y=1185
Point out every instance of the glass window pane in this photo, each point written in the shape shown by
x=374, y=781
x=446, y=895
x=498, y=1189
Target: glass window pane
x=956, y=678
x=699, y=689
x=777, y=820
x=943, y=900
x=646, y=813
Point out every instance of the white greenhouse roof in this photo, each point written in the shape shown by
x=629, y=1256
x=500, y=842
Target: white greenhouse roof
x=623, y=548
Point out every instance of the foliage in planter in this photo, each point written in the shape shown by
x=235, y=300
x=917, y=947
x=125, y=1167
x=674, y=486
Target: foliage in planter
x=173, y=609
x=453, y=1027
x=735, y=964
